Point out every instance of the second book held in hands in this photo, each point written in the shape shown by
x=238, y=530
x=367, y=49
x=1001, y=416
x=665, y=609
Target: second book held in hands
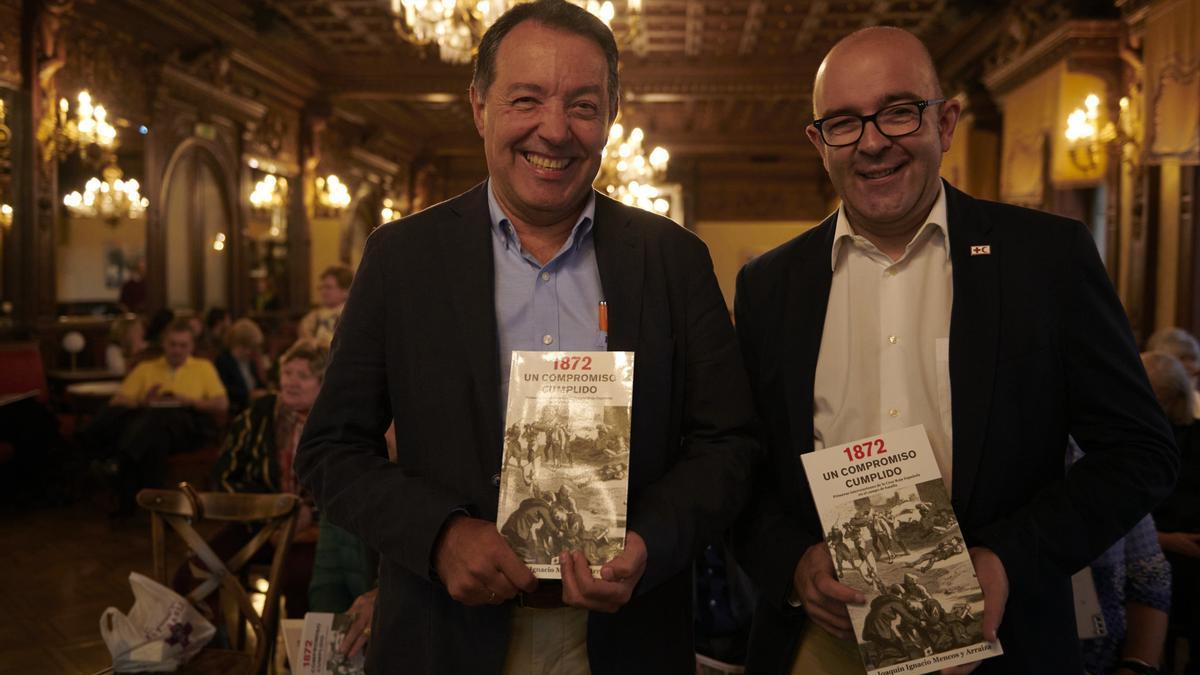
x=564, y=480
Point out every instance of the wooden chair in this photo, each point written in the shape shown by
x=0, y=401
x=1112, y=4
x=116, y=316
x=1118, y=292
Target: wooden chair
x=182, y=508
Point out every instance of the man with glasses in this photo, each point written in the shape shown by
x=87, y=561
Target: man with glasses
x=993, y=326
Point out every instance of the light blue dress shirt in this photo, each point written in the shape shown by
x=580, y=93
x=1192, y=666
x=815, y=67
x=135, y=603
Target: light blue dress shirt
x=551, y=307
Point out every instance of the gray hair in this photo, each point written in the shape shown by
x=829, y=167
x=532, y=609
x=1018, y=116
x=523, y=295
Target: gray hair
x=1174, y=341
x=1172, y=386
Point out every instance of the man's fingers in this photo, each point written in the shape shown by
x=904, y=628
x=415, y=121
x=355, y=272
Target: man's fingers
x=961, y=670
x=830, y=606
x=351, y=648
x=993, y=613
x=580, y=573
x=515, y=571
x=572, y=594
x=630, y=563
x=620, y=567
x=993, y=581
x=832, y=621
x=826, y=585
x=580, y=589
x=354, y=636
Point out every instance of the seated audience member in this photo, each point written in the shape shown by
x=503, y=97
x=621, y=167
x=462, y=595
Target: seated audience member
x=1182, y=345
x=240, y=364
x=166, y=405
x=1178, y=518
x=1133, y=584
x=132, y=297
x=216, y=322
x=258, y=456
x=126, y=342
x=332, y=291
x=266, y=299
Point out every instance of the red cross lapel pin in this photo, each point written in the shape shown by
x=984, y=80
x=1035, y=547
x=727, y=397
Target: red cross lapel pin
x=981, y=249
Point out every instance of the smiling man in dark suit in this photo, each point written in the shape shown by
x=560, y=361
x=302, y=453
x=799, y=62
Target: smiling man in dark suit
x=992, y=325
x=440, y=301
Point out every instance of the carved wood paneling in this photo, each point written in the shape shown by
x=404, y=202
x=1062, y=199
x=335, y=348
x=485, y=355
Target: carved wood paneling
x=10, y=44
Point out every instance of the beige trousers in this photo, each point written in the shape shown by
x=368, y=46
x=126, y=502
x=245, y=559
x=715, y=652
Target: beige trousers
x=548, y=642
x=822, y=654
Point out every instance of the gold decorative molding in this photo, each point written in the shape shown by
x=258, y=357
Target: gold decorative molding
x=1076, y=41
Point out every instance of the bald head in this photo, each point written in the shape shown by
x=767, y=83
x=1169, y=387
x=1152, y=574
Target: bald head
x=888, y=182
x=877, y=42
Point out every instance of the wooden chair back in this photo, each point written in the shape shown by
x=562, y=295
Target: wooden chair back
x=184, y=507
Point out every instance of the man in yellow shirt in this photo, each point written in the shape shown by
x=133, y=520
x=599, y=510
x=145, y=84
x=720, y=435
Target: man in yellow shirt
x=167, y=405
x=175, y=379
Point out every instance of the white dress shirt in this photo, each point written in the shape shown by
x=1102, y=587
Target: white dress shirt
x=885, y=350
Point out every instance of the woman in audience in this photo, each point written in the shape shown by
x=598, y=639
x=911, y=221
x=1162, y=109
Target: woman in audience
x=1133, y=585
x=240, y=364
x=1178, y=518
x=332, y=291
x=126, y=343
x=258, y=457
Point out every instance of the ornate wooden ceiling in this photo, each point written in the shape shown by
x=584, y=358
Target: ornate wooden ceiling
x=726, y=78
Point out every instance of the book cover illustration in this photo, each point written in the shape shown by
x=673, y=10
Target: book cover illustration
x=564, y=479
x=894, y=537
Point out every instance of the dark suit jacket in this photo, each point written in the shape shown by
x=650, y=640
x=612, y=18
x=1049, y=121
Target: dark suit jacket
x=235, y=386
x=1039, y=348
x=418, y=342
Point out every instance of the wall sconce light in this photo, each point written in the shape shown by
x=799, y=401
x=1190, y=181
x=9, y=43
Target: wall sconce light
x=333, y=195
x=6, y=216
x=1085, y=137
x=269, y=198
x=389, y=212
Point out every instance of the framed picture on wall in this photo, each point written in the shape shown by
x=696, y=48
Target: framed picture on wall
x=114, y=266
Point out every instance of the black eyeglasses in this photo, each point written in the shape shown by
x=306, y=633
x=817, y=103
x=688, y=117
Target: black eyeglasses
x=900, y=119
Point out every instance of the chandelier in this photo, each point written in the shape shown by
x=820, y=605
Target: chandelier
x=88, y=131
x=456, y=26
x=110, y=199
x=332, y=194
x=628, y=175
x=268, y=198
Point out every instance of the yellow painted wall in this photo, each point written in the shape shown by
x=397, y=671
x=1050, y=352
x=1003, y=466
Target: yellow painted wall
x=1030, y=113
x=1167, y=280
x=733, y=243
x=324, y=250
x=956, y=162
x=81, y=255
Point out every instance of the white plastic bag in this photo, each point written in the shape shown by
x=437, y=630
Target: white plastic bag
x=161, y=632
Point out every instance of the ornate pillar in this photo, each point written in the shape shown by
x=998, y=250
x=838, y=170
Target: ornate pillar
x=43, y=54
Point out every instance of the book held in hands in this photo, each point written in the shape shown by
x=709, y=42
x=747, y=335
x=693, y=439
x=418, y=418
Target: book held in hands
x=893, y=536
x=564, y=480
